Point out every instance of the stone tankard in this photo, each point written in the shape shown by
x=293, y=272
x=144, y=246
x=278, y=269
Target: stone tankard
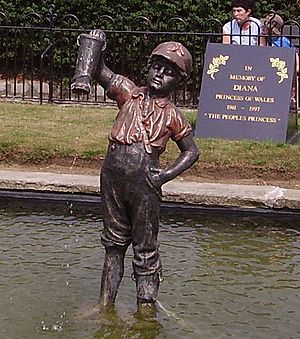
x=90, y=48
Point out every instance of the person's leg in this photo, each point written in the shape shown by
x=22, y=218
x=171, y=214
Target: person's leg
x=147, y=288
x=146, y=262
x=112, y=274
x=116, y=234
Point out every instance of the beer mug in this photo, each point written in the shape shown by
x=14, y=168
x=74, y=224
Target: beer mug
x=90, y=48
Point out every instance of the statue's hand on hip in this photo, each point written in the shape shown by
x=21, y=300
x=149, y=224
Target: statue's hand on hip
x=156, y=177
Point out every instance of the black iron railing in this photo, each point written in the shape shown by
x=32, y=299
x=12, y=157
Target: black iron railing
x=37, y=59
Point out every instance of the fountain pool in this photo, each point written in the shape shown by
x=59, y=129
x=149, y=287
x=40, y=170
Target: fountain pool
x=235, y=276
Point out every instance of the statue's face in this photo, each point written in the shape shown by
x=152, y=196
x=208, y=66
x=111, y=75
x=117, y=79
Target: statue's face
x=163, y=77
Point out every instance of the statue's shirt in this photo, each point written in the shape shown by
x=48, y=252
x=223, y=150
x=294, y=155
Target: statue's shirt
x=141, y=119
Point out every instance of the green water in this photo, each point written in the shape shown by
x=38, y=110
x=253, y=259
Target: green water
x=235, y=276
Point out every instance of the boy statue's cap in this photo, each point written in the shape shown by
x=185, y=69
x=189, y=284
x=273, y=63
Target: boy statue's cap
x=274, y=23
x=176, y=53
x=246, y=4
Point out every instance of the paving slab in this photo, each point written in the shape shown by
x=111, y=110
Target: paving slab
x=178, y=191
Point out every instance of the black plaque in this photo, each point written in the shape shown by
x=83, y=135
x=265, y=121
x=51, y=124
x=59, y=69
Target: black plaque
x=245, y=92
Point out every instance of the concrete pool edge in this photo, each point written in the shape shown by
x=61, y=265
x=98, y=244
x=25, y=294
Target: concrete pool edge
x=178, y=192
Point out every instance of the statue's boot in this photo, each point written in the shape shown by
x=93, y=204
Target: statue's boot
x=112, y=274
x=147, y=290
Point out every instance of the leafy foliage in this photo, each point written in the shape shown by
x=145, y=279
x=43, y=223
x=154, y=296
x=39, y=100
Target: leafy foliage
x=159, y=12
x=21, y=49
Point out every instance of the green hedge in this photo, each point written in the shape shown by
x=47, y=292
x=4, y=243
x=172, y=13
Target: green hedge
x=158, y=11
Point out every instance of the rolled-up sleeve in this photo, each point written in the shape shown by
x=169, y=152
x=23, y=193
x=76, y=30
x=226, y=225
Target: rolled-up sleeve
x=120, y=89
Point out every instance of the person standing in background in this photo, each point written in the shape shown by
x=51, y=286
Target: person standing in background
x=272, y=28
x=243, y=29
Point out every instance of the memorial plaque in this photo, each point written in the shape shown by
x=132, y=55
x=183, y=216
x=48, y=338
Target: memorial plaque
x=245, y=92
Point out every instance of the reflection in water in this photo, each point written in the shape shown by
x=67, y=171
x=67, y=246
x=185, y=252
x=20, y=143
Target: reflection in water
x=235, y=276
x=111, y=325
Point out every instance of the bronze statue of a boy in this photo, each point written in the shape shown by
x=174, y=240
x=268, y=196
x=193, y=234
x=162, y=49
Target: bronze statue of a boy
x=131, y=177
